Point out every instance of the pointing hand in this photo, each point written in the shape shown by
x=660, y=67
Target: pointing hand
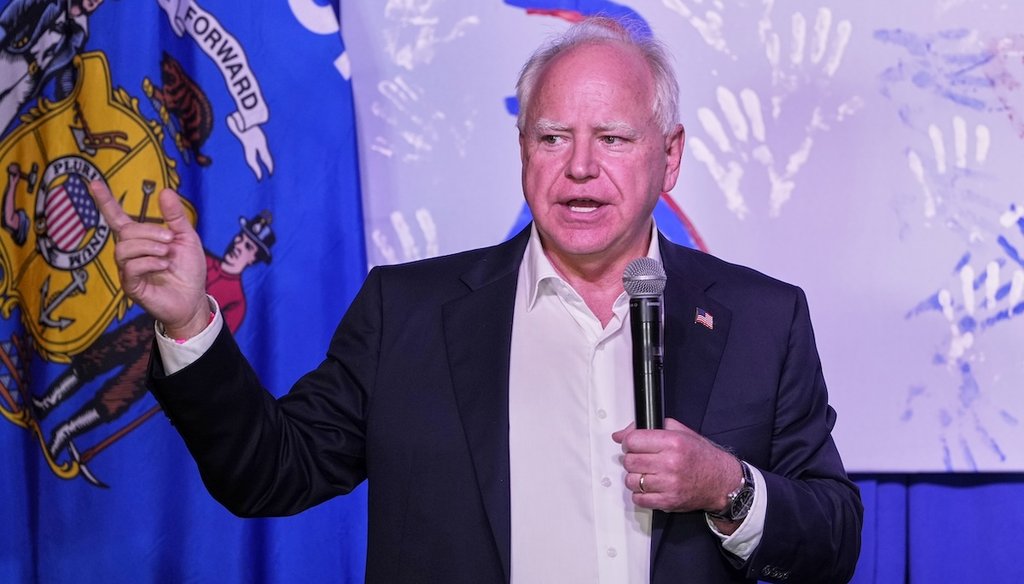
x=162, y=267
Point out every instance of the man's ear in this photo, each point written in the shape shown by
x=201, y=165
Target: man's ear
x=673, y=156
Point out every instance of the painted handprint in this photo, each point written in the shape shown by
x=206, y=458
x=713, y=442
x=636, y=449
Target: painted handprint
x=980, y=308
x=812, y=59
x=767, y=133
x=706, y=20
x=802, y=60
x=417, y=30
x=945, y=173
x=417, y=124
x=949, y=64
x=986, y=299
x=984, y=295
x=745, y=144
x=415, y=33
x=410, y=247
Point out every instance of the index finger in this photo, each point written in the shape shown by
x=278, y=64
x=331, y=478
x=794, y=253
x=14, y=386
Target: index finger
x=108, y=206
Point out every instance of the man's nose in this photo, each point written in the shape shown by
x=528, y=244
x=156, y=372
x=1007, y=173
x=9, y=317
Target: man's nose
x=582, y=164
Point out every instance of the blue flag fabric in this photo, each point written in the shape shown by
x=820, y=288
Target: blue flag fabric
x=246, y=110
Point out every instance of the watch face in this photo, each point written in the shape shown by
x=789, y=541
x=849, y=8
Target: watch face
x=741, y=504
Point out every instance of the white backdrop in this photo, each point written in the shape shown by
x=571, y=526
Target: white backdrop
x=870, y=153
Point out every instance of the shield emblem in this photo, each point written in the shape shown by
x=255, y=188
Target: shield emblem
x=56, y=251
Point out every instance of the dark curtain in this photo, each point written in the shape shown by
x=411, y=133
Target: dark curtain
x=938, y=528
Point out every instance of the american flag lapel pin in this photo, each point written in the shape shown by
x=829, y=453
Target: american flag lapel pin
x=704, y=317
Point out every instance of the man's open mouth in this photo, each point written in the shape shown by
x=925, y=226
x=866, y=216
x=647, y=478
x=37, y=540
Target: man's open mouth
x=583, y=205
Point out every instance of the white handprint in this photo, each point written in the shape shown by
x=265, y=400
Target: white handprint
x=410, y=248
x=418, y=124
x=416, y=33
x=809, y=63
x=708, y=23
x=804, y=62
x=746, y=124
x=941, y=181
x=409, y=115
x=961, y=334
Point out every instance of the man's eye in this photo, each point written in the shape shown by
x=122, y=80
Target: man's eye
x=611, y=140
x=550, y=139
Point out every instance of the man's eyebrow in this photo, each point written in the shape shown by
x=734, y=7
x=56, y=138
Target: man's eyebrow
x=615, y=127
x=545, y=126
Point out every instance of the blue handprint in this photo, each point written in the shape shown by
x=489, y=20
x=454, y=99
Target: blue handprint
x=985, y=296
x=949, y=64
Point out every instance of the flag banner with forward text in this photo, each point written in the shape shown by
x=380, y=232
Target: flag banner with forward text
x=246, y=110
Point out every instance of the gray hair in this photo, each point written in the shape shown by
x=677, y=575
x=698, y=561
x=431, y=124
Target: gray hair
x=603, y=29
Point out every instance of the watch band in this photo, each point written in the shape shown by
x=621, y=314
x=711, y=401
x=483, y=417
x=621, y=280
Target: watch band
x=740, y=500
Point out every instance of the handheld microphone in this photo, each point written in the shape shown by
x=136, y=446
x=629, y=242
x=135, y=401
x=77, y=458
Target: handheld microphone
x=644, y=281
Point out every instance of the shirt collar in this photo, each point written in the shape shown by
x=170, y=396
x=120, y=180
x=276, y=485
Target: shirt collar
x=539, y=271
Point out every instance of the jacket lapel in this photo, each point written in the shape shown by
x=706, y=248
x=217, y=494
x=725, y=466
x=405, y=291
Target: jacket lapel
x=478, y=333
x=693, y=350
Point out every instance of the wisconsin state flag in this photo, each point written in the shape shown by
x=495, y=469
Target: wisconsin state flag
x=246, y=110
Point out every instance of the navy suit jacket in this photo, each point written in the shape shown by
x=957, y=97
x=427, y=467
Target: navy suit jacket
x=413, y=396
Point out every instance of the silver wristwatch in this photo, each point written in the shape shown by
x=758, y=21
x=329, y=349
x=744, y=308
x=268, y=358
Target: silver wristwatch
x=740, y=500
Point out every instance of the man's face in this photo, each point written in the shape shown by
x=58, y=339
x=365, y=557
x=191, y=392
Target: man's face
x=594, y=159
x=241, y=253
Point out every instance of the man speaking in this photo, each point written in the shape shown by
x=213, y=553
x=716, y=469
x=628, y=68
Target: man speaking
x=487, y=396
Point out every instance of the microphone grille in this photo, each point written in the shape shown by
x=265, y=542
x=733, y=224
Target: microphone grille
x=644, y=277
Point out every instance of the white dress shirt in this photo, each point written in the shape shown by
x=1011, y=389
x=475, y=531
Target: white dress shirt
x=573, y=519
x=570, y=388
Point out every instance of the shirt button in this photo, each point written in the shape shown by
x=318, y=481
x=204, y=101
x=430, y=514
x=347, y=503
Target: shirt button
x=602, y=414
x=612, y=553
x=606, y=482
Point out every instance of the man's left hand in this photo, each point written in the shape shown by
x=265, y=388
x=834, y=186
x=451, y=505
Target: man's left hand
x=680, y=469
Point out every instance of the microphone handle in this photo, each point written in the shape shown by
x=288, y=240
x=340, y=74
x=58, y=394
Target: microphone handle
x=648, y=375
